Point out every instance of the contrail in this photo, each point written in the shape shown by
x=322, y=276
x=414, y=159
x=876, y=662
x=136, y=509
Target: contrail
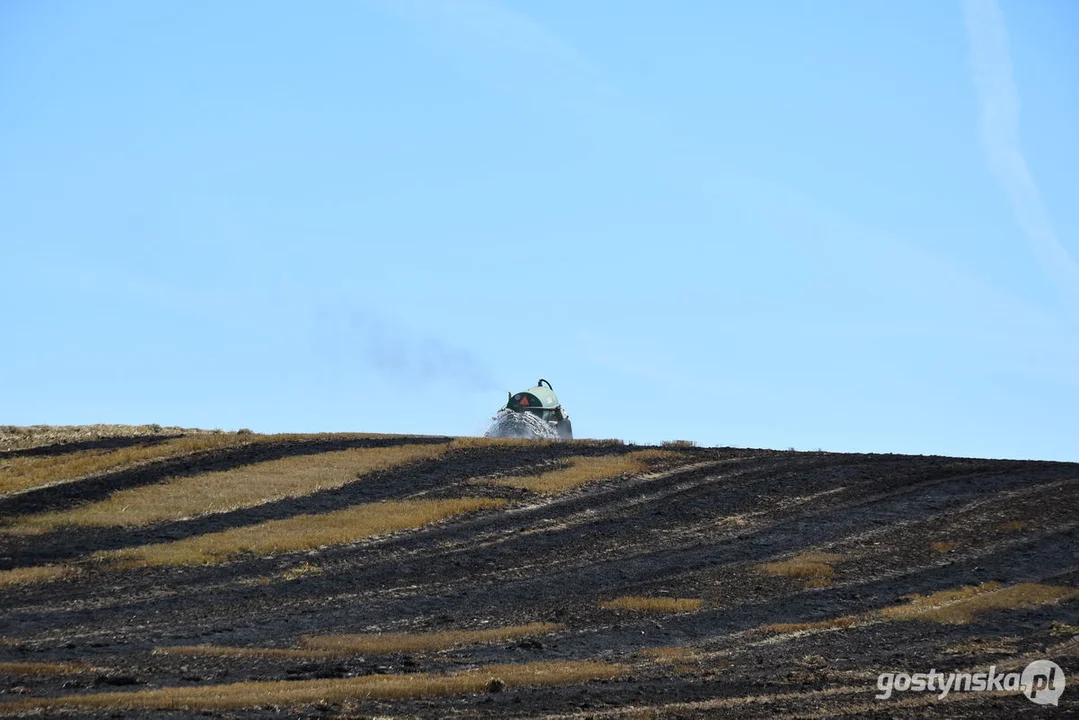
x=998, y=96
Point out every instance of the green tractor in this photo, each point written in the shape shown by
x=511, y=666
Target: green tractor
x=534, y=412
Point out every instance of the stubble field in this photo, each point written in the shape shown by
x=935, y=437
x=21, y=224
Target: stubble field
x=161, y=572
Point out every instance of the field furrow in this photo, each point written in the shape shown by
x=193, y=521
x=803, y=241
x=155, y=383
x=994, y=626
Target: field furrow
x=419, y=577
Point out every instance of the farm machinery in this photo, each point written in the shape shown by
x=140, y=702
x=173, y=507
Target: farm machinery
x=535, y=412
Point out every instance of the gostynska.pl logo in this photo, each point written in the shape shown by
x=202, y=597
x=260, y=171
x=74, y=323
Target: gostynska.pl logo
x=1042, y=681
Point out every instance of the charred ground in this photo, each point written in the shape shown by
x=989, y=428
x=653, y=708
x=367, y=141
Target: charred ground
x=797, y=568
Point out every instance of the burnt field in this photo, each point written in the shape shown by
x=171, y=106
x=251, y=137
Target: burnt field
x=165, y=573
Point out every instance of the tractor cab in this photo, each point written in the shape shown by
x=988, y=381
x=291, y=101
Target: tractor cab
x=542, y=402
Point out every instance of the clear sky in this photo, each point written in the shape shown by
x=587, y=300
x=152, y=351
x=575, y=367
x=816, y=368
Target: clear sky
x=797, y=223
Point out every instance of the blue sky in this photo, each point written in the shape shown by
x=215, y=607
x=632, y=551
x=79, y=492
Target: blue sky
x=809, y=224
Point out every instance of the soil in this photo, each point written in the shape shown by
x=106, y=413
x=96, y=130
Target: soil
x=58, y=439
x=697, y=526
